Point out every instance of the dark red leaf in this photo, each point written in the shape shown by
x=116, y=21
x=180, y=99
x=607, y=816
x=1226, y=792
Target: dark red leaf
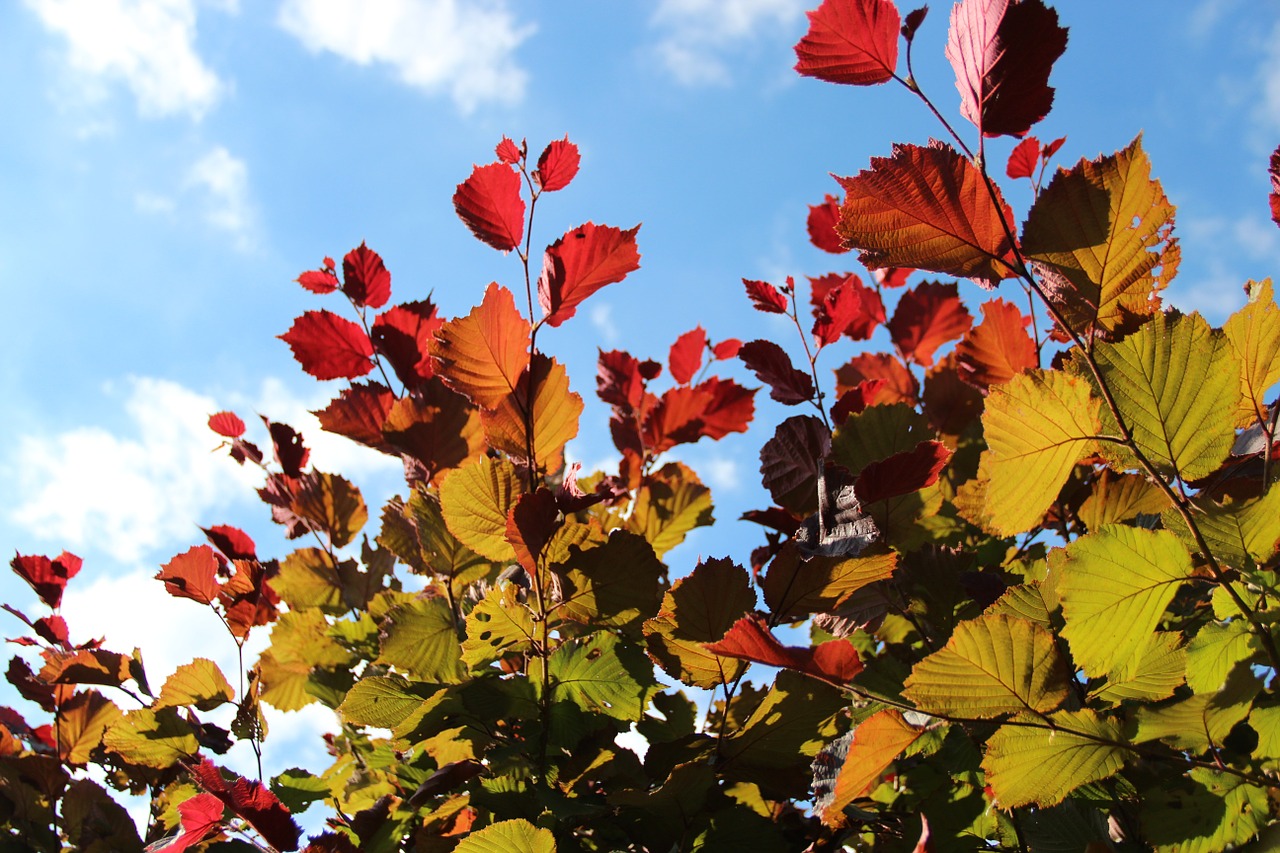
x=998, y=348
x=1024, y=159
x=507, y=151
x=365, y=280
x=729, y=409
x=928, y=316
x=772, y=366
x=618, y=380
x=233, y=542
x=286, y=443
x=892, y=276
x=850, y=41
x=822, y=225
x=1274, y=197
x=359, y=413
x=855, y=400
x=765, y=297
x=950, y=403
x=52, y=629
x=728, y=348
x=580, y=263
x=47, y=577
x=913, y=21
x=1002, y=52
x=531, y=523
x=251, y=801
x=192, y=574
x=1052, y=148
x=489, y=203
x=843, y=305
x=791, y=460
x=557, y=165
x=902, y=473
x=329, y=347
x=319, y=281
x=835, y=661
x=686, y=355
x=650, y=370
x=403, y=335
x=29, y=686
x=227, y=424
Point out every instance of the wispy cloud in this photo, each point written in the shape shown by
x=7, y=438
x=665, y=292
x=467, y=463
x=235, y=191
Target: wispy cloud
x=601, y=317
x=464, y=49
x=222, y=181
x=148, y=45
x=698, y=33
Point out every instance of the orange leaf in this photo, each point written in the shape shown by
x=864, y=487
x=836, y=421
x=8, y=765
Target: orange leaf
x=192, y=575
x=483, y=354
x=554, y=420
x=877, y=741
x=998, y=348
x=332, y=504
x=928, y=316
x=927, y=208
x=899, y=385
x=436, y=427
x=835, y=661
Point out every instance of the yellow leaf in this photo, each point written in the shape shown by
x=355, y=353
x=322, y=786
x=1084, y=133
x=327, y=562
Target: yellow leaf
x=475, y=501
x=1254, y=333
x=198, y=683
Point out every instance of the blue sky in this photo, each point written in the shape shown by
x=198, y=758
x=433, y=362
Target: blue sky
x=170, y=166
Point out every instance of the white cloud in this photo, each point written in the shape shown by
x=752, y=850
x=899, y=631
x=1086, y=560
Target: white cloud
x=463, y=47
x=723, y=473
x=699, y=32
x=601, y=317
x=223, y=181
x=149, y=45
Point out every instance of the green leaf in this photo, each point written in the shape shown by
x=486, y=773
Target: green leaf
x=309, y=578
x=616, y=584
x=795, y=586
x=1025, y=601
x=1215, y=651
x=1266, y=722
x=1115, y=586
x=509, y=836
x=700, y=608
x=1209, y=813
x=1154, y=676
x=1235, y=531
x=1038, y=425
x=498, y=624
x=671, y=503
x=992, y=665
x=152, y=738
x=1254, y=333
x=298, y=789
x=1203, y=720
x=421, y=640
x=601, y=674
x=416, y=533
x=876, y=433
x=379, y=701
x=1176, y=384
x=199, y=683
x=475, y=500
x=1028, y=764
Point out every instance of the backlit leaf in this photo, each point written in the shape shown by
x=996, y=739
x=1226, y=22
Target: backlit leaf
x=81, y=722
x=329, y=347
x=192, y=574
x=821, y=224
x=1210, y=812
x=497, y=625
x=557, y=165
x=998, y=348
x=1201, y=721
x=1026, y=765
x=1215, y=650
x=1154, y=676
x=902, y=473
x=878, y=433
x=437, y=428
x=992, y=665
x=1024, y=159
x=602, y=674
x=489, y=203
x=1237, y=531
x=199, y=683
x=1038, y=426
x=417, y=534
x=1176, y=383
x=483, y=354
x=358, y=412
x=835, y=661
x=772, y=366
x=795, y=587
x=152, y=738
x=686, y=355
x=333, y=505
x=928, y=316
x=791, y=460
x=580, y=263
x=475, y=500
x=1002, y=53
x=765, y=297
x=1254, y=333
x=1115, y=586
x=552, y=423
x=509, y=836
x=899, y=385
x=309, y=578
x=856, y=310
x=927, y=208
x=617, y=584
x=252, y=801
x=420, y=639
x=379, y=701
x=1104, y=228
x=877, y=741
x=1120, y=497
x=227, y=424
x=365, y=279
x=700, y=608
x=850, y=41
x=403, y=335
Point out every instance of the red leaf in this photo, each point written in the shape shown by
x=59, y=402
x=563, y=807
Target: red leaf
x=227, y=424
x=899, y=385
x=580, y=263
x=927, y=317
x=850, y=41
x=855, y=400
x=489, y=203
x=1274, y=198
x=772, y=366
x=1002, y=53
x=927, y=208
x=686, y=355
x=822, y=225
x=913, y=21
x=835, y=661
x=329, y=347
x=730, y=408
x=253, y=802
x=728, y=348
x=246, y=598
x=192, y=574
x=359, y=413
x=232, y=542
x=844, y=306
x=319, y=281
x=998, y=348
x=902, y=473
x=403, y=335
x=286, y=444
x=53, y=629
x=365, y=280
x=47, y=577
x=765, y=297
x=507, y=151
x=531, y=523
x=686, y=413
x=1052, y=148
x=618, y=380
x=892, y=276
x=557, y=165
x=200, y=815
x=29, y=687
x=1024, y=159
